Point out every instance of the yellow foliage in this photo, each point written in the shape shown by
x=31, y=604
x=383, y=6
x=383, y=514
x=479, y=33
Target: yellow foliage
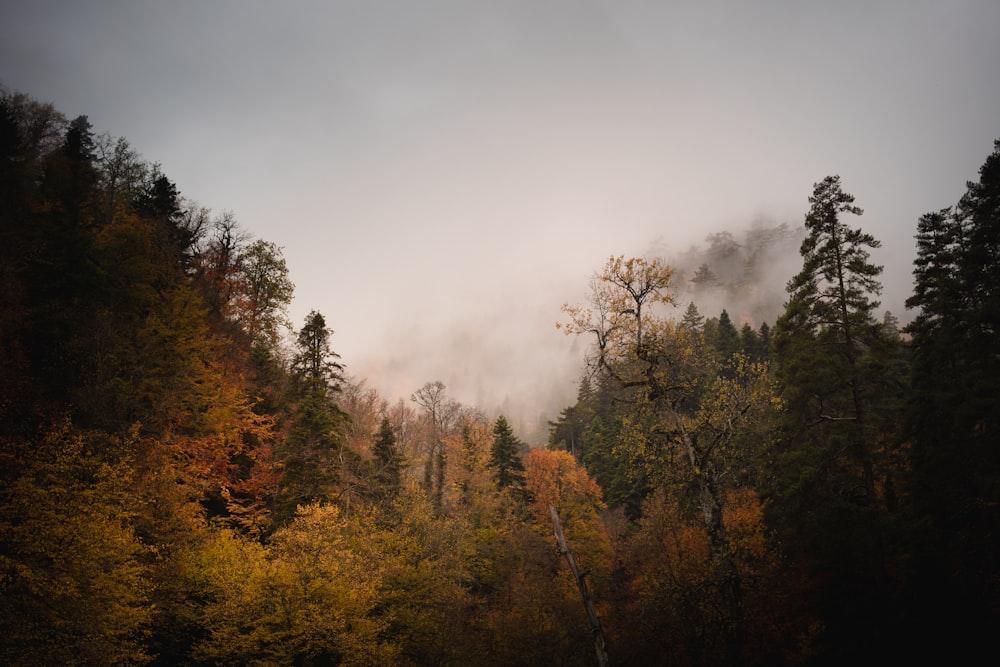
x=555, y=478
x=306, y=596
x=73, y=589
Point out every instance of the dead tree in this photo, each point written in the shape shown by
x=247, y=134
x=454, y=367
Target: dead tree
x=599, y=645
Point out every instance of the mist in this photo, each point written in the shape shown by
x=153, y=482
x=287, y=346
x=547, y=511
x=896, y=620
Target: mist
x=501, y=351
x=443, y=178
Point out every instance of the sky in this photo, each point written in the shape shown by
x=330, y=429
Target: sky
x=443, y=175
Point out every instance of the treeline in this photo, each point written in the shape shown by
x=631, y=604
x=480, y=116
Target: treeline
x=182, y=483
x=823, y=491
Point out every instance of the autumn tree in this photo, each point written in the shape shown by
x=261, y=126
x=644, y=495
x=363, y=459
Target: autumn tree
x=440, y=413
x=556, y=478
x=666, y=611
x=307, y=597
x=264, y=293
x=686, y=418
x=74, y=587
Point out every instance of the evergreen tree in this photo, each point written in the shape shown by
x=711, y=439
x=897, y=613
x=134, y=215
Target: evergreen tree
x=315, y=364
x=953, y=416
x=692, y=320
x=567, y=432
x=505, y=456
x=314, y=455
x=727, y=338
x=764, y=338
x=704, y=279
x=749, y=342
x=387, y=477
x=832, y=364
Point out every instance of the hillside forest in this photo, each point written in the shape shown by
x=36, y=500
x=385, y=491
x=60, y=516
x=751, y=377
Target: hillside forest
x=189, y=478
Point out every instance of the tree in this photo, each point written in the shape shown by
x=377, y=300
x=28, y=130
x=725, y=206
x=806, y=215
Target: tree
x=314, y=455
x=692, y=320
x=307, y=597
x=78, y=151
x=440, y=413
x=953, y=416
x=764, y=335
x=727, y=338
x=749, y=342
x=73, y=586
x=315, y=363
x=693, y=426
x=832, y=477
x=567, y=432
x=667, y=556
x=705, y=279
x=505, y=457
x=263, y=294
x=388, y=462
x=555, y=478
x=830, y=308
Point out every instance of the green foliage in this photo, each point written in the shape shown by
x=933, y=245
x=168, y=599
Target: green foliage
x=310, y=455
x=505, y=456
x=388, y=462
x=832, y=482
x=727, y=339
x=692, y=320
x=317, y=462
x=953, y=418
x=620, y=470
x=264, y=292
x=315, y=364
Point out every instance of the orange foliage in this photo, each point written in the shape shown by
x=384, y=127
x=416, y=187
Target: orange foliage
x=555, y=478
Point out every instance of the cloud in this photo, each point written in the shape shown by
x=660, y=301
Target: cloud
x=443, y=175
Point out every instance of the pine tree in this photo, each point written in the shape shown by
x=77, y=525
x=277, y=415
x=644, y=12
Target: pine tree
x=953, y=417
x=387, y=477
x=705, y=279
x=764, y=336
x=749, y=342
x=692, y=320
x=505, y=456
x=832, y=363
x=314, y=456
x=727, y=338
x=315, y=364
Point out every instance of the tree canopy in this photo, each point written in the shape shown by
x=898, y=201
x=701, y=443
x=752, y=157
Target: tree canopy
x=186, y=479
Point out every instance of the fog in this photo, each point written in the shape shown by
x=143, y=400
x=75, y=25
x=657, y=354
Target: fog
x=443, y=176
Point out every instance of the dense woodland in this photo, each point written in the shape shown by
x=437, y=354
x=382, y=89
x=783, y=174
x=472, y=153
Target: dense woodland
x=189, y=478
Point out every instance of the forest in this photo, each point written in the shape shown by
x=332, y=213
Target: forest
x=189, y=478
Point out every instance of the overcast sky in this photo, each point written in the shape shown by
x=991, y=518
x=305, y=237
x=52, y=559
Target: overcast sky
x=443, y=175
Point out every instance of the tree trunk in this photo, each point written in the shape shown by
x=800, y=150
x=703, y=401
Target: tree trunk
x=723, y=562
x=599, y=644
